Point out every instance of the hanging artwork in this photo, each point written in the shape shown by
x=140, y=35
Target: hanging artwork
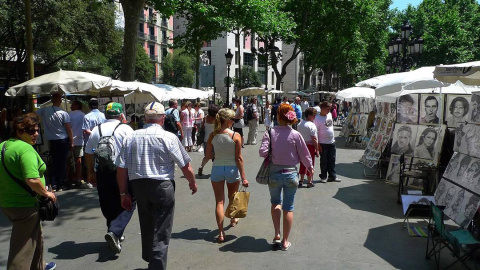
x=364, y=105
x=474, y=115
x=393, y=172
x=404, y=139
x=371, y=105
x=356, y=105
x=379, y=109
x=407, y=110
x=467, y=139
x=429, y=109
x=386, y=109
x=460, y=204
x=362, y=125
x=456, y=110
x=428, y=142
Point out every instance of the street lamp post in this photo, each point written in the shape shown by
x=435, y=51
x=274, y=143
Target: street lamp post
x=228, y=58
x=404, y=51
x=264, y=52
x=320, y=78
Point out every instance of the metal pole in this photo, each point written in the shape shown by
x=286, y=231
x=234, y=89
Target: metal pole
x=228, y=85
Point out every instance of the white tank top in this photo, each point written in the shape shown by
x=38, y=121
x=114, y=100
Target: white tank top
x=224, y=147
x=208, y=130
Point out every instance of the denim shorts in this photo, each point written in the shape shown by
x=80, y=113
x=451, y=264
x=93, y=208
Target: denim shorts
x=228, y=173
x=286, y=180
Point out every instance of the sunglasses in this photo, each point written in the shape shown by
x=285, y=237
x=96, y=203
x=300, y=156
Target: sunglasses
x=31, y=131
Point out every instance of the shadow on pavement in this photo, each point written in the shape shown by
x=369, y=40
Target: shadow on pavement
x=350, y=170
x=69, y=250
x=386, y=241
x=197, y=234
x=247, y=244
x=370, y=196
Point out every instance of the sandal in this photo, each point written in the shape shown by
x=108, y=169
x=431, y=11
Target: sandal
x=310, y=185
x=234, y=222
x=221, y=238
x=285, y=248
x=276, y=240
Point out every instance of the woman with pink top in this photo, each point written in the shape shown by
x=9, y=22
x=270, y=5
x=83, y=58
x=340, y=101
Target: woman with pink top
x=288, y=149
x=187, y=119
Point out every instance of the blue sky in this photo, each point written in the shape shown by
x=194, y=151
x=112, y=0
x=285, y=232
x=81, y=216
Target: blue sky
x=402, y=4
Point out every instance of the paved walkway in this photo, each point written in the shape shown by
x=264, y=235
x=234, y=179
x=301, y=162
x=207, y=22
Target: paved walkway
x=354, y=224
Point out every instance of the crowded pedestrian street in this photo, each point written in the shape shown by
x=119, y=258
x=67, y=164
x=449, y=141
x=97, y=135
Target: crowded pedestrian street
x=352, y=224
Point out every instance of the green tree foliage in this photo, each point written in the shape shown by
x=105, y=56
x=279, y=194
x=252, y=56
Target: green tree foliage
x=177, y=69
x=143, y=67
x=249, y=78
x=450, y=30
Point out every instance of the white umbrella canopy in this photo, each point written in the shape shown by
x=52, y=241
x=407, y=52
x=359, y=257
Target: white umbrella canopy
x=274, y=91
x=375, y=81
x=63, y=80
x=251, y=91
x=297, y=93
x=451, y=89
x=194, y=93
x=468, y=73
x=355, y=92
x=421, y=78
x=121, y=87
x=172, y=92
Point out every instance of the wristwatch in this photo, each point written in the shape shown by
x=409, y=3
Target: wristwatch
x=123, y=194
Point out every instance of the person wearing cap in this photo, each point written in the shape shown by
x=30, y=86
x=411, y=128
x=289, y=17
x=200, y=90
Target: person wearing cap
x=58, y=132
x=147, y=161
x=92, y=119
x=326, y=139
x=108, y=191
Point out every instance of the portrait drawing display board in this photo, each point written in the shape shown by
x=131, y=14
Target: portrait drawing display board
x=467, y=139
x=404, y=139
x=474, y=115
x=460, y=204
x=456, y=110
x=430, y=109
x=379, y=109
x=407, y=200
x=393, y=172
x=407, y=109
x=371, y=104
x=428, y=143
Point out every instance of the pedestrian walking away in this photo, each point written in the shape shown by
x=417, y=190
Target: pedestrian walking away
x=209, y=123
x=104, y=146
x=326, y=138
x=239, y=122
x=252, y=117
x=288, y=149
x=227, y=166
x=74, y=173
x=309, y=133
x=148, y=161
x=59, y=134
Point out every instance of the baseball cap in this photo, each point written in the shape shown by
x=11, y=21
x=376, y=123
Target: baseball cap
x=93, y=103
x=154, y=108
x=113, y=108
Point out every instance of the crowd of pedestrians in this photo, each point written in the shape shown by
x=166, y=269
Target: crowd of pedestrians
x=135, y=168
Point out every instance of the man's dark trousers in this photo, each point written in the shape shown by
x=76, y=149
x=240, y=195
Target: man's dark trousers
x=156, y=205
x=327, y=161
x=59, y=153
x=110, y=202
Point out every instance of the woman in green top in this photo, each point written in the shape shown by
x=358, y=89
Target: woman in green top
x=24, y=163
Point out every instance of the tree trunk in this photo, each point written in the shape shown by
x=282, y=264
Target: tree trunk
x=131, y=11
x=197, y=67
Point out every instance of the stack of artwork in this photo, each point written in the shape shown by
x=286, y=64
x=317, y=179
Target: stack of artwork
x=358, y=116
x=382, y=133
x=459, y=188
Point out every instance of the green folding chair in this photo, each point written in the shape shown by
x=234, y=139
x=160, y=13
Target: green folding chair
x=461, y=243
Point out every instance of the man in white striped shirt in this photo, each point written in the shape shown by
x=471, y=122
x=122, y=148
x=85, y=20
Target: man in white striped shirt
x=148, y=160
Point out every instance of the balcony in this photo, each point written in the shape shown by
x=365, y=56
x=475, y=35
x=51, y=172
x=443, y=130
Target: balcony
x=165, y=41
x=152, y=38
x=152, y=19
x=154, y=58
x=142, y=35
x=142, y=17
x=164, y=23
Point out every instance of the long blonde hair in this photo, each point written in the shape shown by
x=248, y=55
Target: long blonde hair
x=222, y=115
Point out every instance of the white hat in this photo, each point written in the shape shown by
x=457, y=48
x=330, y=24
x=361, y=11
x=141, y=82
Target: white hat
x=154, y=108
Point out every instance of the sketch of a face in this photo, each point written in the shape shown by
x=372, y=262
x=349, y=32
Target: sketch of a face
x=440, y=190
x=473, y=142
x=449, y=196
x=458, y=202
x=453, y=164
x=463, y=166
x=380, y=108
x=429, y=139
x=393, y=109
x=472, y=170
x=470, y=210
x=458, y=109
x=405, y=107
x=431, y=108
x=404, y=138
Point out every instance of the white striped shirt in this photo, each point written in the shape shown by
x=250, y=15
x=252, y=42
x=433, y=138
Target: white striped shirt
x=152, y=152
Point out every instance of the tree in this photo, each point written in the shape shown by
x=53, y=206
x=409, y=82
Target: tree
x=143, y=66
x=177, y=69
x=249, y=78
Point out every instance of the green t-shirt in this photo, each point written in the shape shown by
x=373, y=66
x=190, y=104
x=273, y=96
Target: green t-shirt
x=23, y=162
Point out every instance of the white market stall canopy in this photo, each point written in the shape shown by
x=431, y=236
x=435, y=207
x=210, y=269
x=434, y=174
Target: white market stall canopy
x=355, y=92
x=193, y=93
x=375, y=81
x=64, y=81
x=468, y=73
x=250, y=91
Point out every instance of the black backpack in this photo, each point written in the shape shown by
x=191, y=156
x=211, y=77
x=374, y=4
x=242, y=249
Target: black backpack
x=170, y=123
x=249, y=113
x=274, y=111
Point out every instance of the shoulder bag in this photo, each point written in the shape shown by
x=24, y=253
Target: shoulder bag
x=263, y=175
x=48, y=209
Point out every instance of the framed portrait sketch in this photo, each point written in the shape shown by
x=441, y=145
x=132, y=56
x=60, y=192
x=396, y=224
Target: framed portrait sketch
x=390, y=126
x=356, y=105
x=393, y=110
x=474, y=115
x=364, y=105
x=428, y=142
x=393, y=172
x=379, y=109
x=383, y=125
x=362, y=123
x=467, y=139
x=404, y=139
x=453, y=164
x=429, y=109
x=460, y=204
x=386, y=109
x=371, y=105
x=407, y=109
x=456, y=110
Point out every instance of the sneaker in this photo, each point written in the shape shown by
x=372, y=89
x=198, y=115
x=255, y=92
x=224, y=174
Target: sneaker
x=200, y=171
x=323, y=180
x=50, y=266
x=122, y=238
x=200, y=149
x=113, y=242
x=87, y=186
x=336, y=179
